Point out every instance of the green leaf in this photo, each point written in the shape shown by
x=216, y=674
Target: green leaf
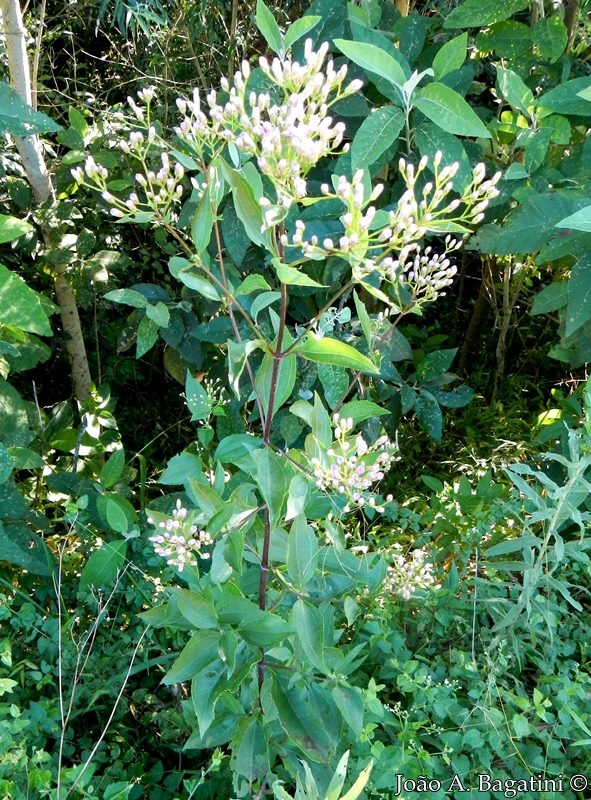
x=428, y=413
x=202, y=222
x=117, y=512
x=550, y=37
x=200, y=651
x=129, y=297
x=349, y=701
x=476, y=14
x=307, y=621
x=509, y=40
x=372, y=59
x=298, y=29
x=268, y=26
x=430, y=139
x=205, y=497
x=272, y=479
x=451, y=56
x=77, y=121
x=252, y=283
x=19, y=119
x=261, y=301
x=302, y=552
x=103, y=566
x=237, y=448
x=565, y=98
x=20, y=306
x=113, y=469
x=292, y=276
x=448, y=109
x=516, y=93
x=578, y=310
x=12, y=228
x=180, y=467
x=297, y=496
x=197, y=399
x=551, y=298
x=335, y=382
x=188, y=273
x=285, y=380
x=579, y=221
x=375, y=135
x=326, y=350
x=147, y=336
x=360, y=410
x=247, y=206
x=435, y=364
x=196, y=609
x=262, y=628
x=536, y=149
x=159, y=314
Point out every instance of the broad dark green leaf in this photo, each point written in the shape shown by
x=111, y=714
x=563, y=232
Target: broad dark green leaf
x=335, y=382
x=360, y=410
x=551, y=298
x=448, y=109
x=435, y=364
x=12, y=228
x=508, y=40
x=430, y=139
x=578, y=310
x=189, y=273
x=373, y=60
x=565, y=99
x=375, y=135
x=579, y=221
x=199, y=652
x=113, y=469
x=147, y=336
x=19, y=119
x=21, y=306
x=268, y=26
x=196, y=609
x=307, y=621
x=450, y=56
x=272, y=479
x=247, y=205
x=428, y=413
x=302, y=553
x=477, y=14
x=516, y=93
x=326, y=350
x=298, y=29
x=103, y=566
x=550, y=37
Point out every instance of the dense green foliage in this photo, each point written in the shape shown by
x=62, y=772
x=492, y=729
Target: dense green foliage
x=282, y=549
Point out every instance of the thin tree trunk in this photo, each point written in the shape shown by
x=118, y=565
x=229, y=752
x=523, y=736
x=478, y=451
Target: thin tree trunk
x=31, y=153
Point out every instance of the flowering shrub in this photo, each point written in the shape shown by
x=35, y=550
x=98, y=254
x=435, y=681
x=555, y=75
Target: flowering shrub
x=258, y=538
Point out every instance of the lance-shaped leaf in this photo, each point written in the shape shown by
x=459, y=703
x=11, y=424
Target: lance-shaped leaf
x=326, y=350
x=373, y=59
x=448, y=109
x=247, y=206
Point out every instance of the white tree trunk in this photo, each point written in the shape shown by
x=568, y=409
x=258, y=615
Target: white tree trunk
x=31, y=153
x=29, y=147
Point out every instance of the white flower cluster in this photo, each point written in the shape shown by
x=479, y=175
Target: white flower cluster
x=351, y=467
x=178, y=540
x=406, y=575
x=158, y=189
x=287, y=134
x=391, y=250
